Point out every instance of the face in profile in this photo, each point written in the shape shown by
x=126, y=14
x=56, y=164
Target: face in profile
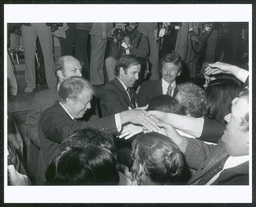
x=79, y=106
x=130, y=75
x=170, y=72
x=236, y=142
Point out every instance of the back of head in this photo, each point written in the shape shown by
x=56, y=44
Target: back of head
x=92, y=165
x=165, y=103
x=125, y=62
x=82, y=138
x=218, y=98
x=157, y=160
x=191, y=97
x=72, y=87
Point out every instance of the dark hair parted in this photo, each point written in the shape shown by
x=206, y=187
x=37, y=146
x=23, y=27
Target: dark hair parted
x=82, y=138
x=191, y=97
x=72, y=87
x=166, y=104
x=125, y=62
x=92, y=165
x=172, y=58
x=157, y=157
x=218, y=98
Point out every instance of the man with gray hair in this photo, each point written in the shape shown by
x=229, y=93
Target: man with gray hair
x=66, y=66
x=60, y=120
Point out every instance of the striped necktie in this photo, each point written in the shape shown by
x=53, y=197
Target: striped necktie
x=169, y=90
x=132, y=98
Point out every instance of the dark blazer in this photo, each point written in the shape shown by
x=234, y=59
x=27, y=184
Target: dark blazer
x=150, y=89
x=55, y=125
x=205, y=158
x=41, y=101
x=114, y=98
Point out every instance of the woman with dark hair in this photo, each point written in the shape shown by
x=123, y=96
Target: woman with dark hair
x=157, y=160
x=166, y=104
x=218, y=98
x=92, y=165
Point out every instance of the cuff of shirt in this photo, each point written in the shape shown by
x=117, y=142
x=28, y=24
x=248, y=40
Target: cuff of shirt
x=242, y=75
x=118, y=122
x=198, y=127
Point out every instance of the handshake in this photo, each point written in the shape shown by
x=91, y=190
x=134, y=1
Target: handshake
x=140, y=121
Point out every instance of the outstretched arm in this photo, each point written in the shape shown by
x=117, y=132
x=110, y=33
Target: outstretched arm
x=190, y=125
x=219, y=67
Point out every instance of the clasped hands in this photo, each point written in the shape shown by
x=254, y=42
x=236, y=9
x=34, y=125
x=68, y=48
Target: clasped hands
x=142, y=122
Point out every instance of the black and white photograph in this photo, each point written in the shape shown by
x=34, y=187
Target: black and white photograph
x=128, y=103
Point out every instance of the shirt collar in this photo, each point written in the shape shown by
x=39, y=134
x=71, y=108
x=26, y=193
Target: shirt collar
x=165, y=84
x=67, y=111
x=235, y=161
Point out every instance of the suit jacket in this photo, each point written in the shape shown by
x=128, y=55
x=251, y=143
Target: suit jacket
x=55, y=125
x=114, y=98
x=41, y=101
x=212, y=130
x=206, y=158
x=150, y=89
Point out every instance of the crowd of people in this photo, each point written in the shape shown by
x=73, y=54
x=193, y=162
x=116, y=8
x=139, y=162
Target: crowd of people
x=150, y=131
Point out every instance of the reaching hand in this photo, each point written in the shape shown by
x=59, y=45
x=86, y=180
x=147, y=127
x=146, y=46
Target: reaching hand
x=130, y=130
x=219, y=67
x=139, y=116
x=157, y=115
x=171, y=132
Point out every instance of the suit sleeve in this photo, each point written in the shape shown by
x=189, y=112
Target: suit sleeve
x=111, y=103
x=56, y=127
x=32, y=120
x=197, y=152
x=212, y=130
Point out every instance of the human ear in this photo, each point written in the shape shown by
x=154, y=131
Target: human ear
x=121, y=70
x=60, y=74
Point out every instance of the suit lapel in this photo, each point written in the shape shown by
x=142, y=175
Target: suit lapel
x=212, y=162
x=122, y=91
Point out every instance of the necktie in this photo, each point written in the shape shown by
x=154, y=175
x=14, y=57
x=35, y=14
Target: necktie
x=169, y=90
x=132, y=97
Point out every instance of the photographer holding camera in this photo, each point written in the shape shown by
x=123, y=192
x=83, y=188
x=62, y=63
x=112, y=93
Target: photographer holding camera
x=127, y=40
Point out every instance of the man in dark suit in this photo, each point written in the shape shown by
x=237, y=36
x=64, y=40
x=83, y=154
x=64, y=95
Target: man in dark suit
x=171, y=68
x=66, y=66
x=60, y=120
x=118, y=94
x=226, y=163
